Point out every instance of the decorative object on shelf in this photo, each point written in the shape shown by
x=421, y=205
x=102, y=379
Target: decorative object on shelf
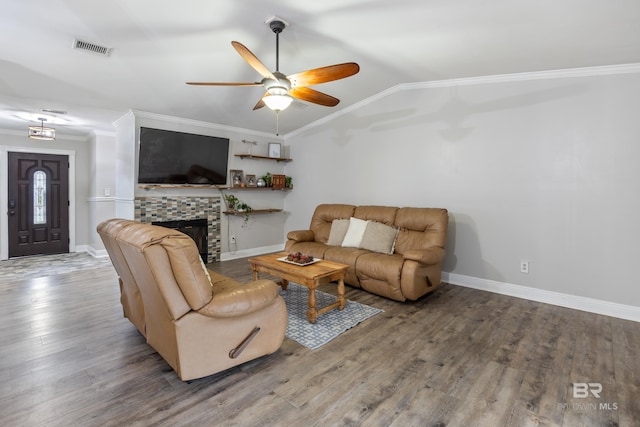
x=251, y=180
x=274, y=149
x=288, y=182
x=278, y=181
x=261, y=182
x=231, y=201
x=243, y=207
x=267, y=179
x=237, y=177
x=250, y=143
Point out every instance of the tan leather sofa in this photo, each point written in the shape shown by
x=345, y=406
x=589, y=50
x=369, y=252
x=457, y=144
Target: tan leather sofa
x=411, y=270
x=199, y=321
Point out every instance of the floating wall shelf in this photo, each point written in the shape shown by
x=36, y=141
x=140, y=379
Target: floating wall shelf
x=253, y=156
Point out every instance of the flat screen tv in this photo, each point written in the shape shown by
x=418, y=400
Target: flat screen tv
x=170, y=157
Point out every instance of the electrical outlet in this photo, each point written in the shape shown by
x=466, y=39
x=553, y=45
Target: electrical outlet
x=233, y=239
x=524, y=266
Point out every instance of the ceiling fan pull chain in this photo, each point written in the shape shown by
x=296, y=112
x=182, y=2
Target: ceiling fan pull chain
x=277, y=123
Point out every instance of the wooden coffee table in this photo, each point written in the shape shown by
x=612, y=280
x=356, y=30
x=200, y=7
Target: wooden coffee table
x=311, y=276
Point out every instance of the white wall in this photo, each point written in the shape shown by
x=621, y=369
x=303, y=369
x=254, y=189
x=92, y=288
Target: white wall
x=102, y=205
x=541, y=167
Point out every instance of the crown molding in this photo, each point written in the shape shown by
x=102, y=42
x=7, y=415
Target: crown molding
x=469, y=81
x=198, y=123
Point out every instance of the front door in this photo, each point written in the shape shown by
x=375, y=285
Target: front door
x=38, y=204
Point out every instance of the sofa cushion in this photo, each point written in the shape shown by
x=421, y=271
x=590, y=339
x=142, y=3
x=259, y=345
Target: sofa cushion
x=421, y=228
x=379, y=237
x=186, y=265
x=383, y=214
x=380, y=274
x=339, y=228
x=324, y=215
x=240, y=300
x=347, y=256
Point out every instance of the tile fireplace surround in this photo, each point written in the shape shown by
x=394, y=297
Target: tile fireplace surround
x=174, y=208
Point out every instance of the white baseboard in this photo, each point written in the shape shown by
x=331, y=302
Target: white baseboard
x=96, y=253
x=226, y=256
x=621, y=311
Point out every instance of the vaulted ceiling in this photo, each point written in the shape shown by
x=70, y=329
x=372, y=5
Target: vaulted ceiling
x=158, y=45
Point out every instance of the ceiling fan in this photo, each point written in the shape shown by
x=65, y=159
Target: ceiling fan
x=281, y=89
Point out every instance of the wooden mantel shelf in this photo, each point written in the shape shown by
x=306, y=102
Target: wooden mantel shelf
x=192, y=186
x=254, y=211
x=255, y=188
x=253, y=156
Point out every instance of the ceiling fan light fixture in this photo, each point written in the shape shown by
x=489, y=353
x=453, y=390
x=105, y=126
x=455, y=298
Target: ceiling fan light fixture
x=41, y=132
x=278, y=98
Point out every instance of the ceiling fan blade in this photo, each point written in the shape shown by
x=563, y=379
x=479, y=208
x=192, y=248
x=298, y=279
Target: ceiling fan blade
x=223, y=84
x=323, y=74
x=253, y=60
x=311, y=95
x=260, y=103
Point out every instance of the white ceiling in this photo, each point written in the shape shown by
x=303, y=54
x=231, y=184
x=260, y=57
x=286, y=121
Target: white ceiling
x=158, y=45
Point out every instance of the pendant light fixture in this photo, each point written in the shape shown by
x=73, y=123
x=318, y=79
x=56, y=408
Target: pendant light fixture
x=41, y=132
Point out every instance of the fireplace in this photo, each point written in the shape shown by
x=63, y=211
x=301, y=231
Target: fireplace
x=194, y=228
x=181, y=209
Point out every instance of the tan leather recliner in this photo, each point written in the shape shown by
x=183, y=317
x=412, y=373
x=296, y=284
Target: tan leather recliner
x=199, y=321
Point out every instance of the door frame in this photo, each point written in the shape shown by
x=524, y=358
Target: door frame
x=4, y=192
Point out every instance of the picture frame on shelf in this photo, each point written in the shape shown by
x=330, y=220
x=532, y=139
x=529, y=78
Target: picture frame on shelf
x=237, y=177
x=251, y=180
x=275, y=150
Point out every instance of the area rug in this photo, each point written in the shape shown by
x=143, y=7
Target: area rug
x=328, y=325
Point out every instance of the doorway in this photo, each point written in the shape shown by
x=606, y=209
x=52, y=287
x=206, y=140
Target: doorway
x=38, y=204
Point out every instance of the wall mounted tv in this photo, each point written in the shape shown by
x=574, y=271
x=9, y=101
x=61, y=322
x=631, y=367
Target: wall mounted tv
x=169, y=157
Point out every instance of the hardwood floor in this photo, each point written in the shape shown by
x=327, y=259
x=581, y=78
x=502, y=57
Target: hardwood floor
x=458, y=357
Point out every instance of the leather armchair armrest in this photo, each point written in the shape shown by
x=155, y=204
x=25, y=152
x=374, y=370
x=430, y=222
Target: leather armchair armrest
x=301, y=235
x=425, y=256
x=241, y=300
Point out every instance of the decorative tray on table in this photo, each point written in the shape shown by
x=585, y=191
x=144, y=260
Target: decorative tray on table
x=297, y=258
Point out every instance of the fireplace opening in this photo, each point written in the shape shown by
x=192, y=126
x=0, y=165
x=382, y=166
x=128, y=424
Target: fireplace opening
x=194, y=228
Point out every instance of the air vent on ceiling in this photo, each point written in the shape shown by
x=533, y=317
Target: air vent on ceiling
x=91, y=47
x=47, y=110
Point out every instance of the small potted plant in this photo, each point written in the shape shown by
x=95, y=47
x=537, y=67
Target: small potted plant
x=232, y=201
x=243, y=207
x=288, y=182
x=267, y=179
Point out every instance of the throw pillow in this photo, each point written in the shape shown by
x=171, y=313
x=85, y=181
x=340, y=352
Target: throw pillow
x=354, y=234
x=379, y=237
x=338, y=230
